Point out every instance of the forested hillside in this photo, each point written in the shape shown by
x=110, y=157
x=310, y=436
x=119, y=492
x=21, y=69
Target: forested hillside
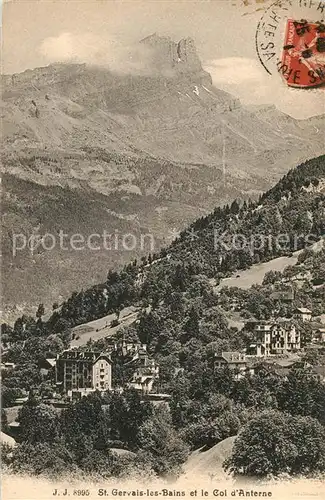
x=184, y=322
x=289, y=217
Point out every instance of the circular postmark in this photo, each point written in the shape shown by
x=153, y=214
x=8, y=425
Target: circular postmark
x=290, y=40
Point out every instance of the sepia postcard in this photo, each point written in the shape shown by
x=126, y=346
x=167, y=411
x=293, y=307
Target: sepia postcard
x=162, y=242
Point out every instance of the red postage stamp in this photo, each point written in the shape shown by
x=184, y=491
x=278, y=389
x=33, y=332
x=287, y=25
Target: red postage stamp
x=303, y=56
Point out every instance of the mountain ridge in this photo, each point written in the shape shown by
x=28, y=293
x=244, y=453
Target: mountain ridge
x=166, y=139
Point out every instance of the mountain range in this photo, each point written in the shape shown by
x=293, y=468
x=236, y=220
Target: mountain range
x=86, y=149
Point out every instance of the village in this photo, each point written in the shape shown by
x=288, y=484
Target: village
x=277, y=345
x=78, y=372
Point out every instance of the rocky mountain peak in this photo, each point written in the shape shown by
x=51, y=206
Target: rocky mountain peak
x=168, y=55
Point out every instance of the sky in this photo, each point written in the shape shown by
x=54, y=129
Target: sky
x=37, y=33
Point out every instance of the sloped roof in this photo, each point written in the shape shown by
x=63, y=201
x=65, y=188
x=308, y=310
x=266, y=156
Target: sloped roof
x=285, y=362
x=282, y=370
x=123, y=453
x=51, y=361
x=103, y=356
x=231, y=356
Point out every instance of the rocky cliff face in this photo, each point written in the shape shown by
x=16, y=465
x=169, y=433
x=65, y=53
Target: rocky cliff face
x=175, y=58
x=158, y=148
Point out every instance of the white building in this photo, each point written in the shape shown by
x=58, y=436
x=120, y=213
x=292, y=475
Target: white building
x=303, y=314
x=83, y=371
x=145, y=374
x=276, y=338
x=102, y=373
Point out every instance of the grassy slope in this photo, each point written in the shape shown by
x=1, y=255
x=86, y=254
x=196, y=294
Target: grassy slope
x=202, y=462
x=255, y=274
